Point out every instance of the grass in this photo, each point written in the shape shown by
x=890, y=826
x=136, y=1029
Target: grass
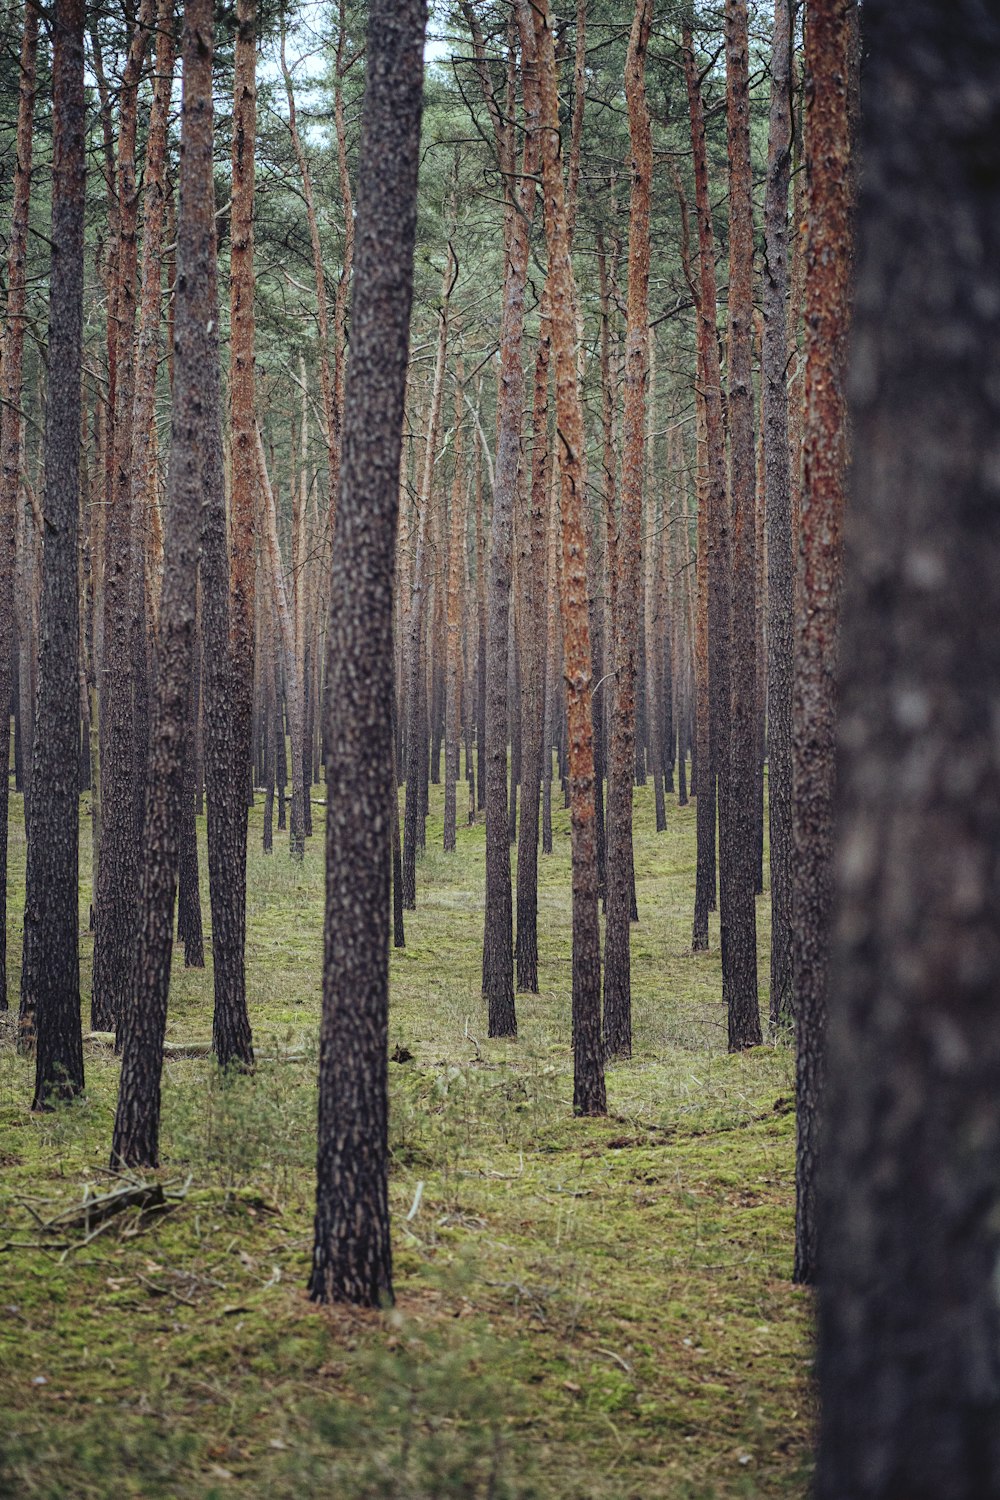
x=587, y=1310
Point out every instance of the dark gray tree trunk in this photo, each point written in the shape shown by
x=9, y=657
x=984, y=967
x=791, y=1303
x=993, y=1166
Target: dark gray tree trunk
x=10, y=433
x=737, y=875
x=909, y=1352
x=352, y=1254
x=50, y=975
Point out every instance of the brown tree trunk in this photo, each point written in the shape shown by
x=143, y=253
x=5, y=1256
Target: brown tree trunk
x=352, y=1255
x=713, y=528
x=814, y=709
x=456, y=574
x=498, y=946
x=10, y=428
x=243, y=444
x=588, y=1052
x=628, y=590
x=196, y=403
x=737, y=872
x=50, y=973
x=777, y=487
x=909, y=1350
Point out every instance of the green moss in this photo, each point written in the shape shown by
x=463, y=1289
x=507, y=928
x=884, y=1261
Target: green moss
x=599, y=1309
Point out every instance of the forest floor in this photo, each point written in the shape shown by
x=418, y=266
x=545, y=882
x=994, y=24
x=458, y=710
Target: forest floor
x=587, y=1310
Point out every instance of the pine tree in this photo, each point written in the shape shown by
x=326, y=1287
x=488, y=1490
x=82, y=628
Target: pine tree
x=352, y=1254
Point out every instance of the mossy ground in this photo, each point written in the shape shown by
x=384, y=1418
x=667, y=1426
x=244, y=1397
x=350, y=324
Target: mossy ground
x=587, y=1310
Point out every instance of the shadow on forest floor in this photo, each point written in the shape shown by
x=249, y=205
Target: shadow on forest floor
x=587, y=1310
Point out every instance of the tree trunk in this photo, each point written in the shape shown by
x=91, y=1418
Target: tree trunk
x=10, y=428
x=814, y=708
x=416, y=694
x=737, y=873
x=50, y=974
x=909, y=1352
x=456, y=574
x=195, y=409
x=532, y=667
x=628, y=590
x=117, y=890
x=243, y=435
x=352, y=1255
x=713, y=528
x=286, y=631
x=144, y=507
x=588, y=1052
x=498, y=946
x=777, y=489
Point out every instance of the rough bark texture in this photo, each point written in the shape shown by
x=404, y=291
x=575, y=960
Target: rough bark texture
x=135, y=1141
x=588, y=1050
x=628, y=591
x=352, y=1256
x=532, y=668
x=713, y=498
x=416, y=768
x=243, y=440
x=498, y=942
x=737, y=862
x=10, y=427
x=909, y=1355
x=144, y=519
x=778, y=506
x=117, y=867
x=453, y=670
x=50, y=975
x=828, y=61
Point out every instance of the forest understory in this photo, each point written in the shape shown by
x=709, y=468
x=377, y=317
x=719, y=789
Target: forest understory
x=598, y=1308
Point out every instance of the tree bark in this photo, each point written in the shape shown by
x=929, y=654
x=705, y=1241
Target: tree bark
x=498, y=943
x=737, y=873
x=456, y=575
x=628, y=590
x=909, y=1352
x=713, y=775
x=777, y=488
x=243, y=442
x=117, y=868
x=50, y=973
x=195, y=409
x=532, y=667
x=814, y=709
x=589, y=1096
x=11, y=367
x=352, y=1254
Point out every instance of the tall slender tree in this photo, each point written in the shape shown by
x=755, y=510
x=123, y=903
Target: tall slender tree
x=117, y=893
x=498, y=943
x=50, y=973
x=778, y=503
x=11, y=365
x=713, y=522
x=737, y=865
x=589, y=1094
x=352, y=1253
x=628, y=590
x=828, y=63
x=195, y=407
